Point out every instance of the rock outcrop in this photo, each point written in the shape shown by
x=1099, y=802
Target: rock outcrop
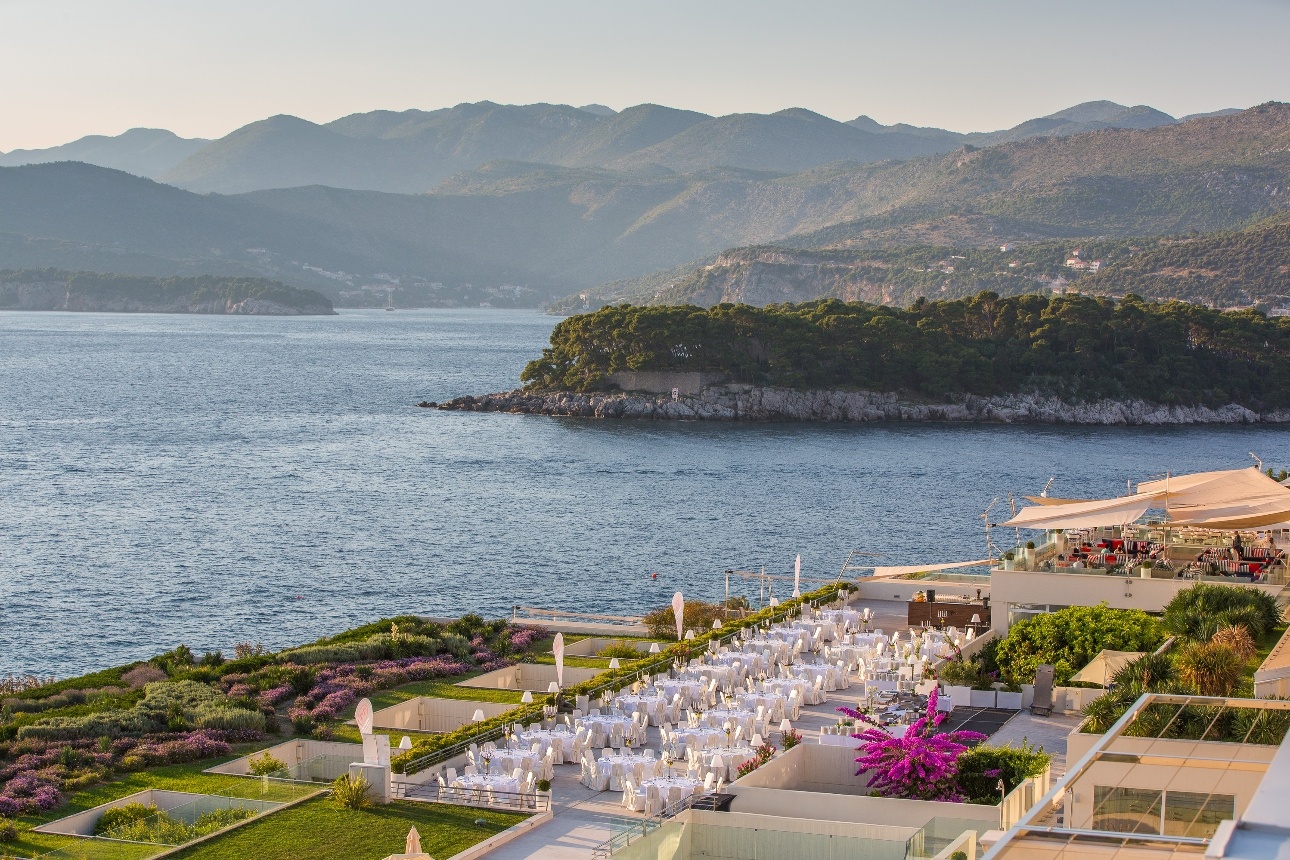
x=749, y=403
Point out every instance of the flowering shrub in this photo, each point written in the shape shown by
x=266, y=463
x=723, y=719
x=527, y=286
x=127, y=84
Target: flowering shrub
x=921, y=765
x=336, y=689
x=28, y=793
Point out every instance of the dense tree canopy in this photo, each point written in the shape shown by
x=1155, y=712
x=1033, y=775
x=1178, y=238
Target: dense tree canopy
x=1074, y=346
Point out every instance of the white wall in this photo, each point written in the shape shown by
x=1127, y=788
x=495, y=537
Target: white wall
x=819, y=782
x=291, y=752
x=535, y=677
x=1074, y=589
x=424, y=714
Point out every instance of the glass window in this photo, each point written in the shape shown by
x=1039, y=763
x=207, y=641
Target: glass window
x=1126, y=810
x=1191, y=813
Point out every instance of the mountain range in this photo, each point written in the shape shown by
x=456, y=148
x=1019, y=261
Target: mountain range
x=536, y=202
x=413, y=151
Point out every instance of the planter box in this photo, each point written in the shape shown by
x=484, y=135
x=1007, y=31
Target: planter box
x=982, y=698
x=1027, y=695
x=960, y=696
x=1011, y=701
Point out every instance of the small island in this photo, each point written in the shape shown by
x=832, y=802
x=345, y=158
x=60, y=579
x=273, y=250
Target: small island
x=1066, y=359
x=58, y=290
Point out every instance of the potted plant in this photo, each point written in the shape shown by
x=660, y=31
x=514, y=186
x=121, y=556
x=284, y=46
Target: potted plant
x=1007, y=560
x=1030, y=555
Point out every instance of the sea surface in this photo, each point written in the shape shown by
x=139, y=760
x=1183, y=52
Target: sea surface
x=215, y=480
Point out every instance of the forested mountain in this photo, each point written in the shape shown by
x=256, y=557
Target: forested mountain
x=142, y=151
x=525, y=232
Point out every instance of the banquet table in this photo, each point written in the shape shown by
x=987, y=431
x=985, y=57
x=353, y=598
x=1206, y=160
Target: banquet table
x=774, y=703
x=503, y=762
x=672, y=789
x=626, y=766
x=784, y=686
x=718, y=717
x=699, y=738
x=562, y=739
x=479, y=784
x=655, y=706
x=691, y=691
x=601, y=727
x=731, y=759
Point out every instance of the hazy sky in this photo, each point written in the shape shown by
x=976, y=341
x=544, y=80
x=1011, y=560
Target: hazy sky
x=204, y=67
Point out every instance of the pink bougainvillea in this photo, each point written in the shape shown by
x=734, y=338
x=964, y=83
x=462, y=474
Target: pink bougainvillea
x=922, y=765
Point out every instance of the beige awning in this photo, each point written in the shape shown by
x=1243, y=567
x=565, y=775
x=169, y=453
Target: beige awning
x=1230, y=499
x=1083, y=515
x=1103, y=667
x=905, y=569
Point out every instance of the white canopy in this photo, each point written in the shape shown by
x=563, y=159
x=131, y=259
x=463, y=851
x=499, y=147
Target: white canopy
x=902, y=570
x=1231, y=499
x=1083, y=515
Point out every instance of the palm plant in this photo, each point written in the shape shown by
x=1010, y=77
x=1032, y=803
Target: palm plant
x=1213, y=669
x=1238, y=638
x=351, y=792
x=1199, y=612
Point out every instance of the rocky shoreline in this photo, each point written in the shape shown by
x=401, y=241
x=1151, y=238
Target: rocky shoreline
x=749, y=403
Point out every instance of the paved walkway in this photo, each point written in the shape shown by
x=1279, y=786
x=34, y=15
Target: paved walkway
x=1046, y=733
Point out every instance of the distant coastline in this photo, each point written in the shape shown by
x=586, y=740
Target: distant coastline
x=751, y=403
x=91, y=292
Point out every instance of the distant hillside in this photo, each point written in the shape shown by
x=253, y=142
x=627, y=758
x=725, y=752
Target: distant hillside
x=1205, y=175
x=512, y=232
x=413, y=151
x=1230, y=269
x=54, y=290
x=142, y=151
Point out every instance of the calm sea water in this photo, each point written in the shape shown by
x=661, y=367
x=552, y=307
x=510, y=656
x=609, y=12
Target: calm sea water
x=214, y=480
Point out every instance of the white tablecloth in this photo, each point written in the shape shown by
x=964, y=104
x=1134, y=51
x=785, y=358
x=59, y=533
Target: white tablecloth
x=691, y=691
x=622, y=767
x=731, y=759
x=699, y=738
x=654, y=706
x=601, y=727
x=504, y=762
x=774, y=703
x=562, y=739
x=479, y=784
x=672, y=789
x=718, y=717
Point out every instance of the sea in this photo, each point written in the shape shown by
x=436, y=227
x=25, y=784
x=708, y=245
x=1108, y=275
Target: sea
x=213, y=480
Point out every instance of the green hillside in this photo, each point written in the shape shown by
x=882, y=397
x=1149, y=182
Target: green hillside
x=52, y=289
x=1076, y=347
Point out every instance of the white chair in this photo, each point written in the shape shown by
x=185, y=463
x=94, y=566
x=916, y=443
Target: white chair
x=452, y=774
x=471, y=770
x=588, y=777
x=629, y=795
x=547, y=762
x=616, y=776
x=653, y=800
x=709, y=781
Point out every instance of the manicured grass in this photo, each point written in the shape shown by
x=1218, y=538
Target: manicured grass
x=177, y=777
x=317, y=830
x=437, y=689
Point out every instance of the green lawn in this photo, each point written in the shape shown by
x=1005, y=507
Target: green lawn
x=436, y=689
x=317, y=830
x=177, y=777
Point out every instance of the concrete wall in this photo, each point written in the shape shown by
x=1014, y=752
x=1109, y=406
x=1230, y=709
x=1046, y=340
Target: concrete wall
x=819, y=782
x=657, y=382
x=536, y=677
x=739, y=836
x=904, y=589
x=291, y=753
x=82, y=823
x=593, y=645
x=1166, y=768
x=424, y=714
x=1074, y=589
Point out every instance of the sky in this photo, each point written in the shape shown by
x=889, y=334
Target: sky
x=201, y=69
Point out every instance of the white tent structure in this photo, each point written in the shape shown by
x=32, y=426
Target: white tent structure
x=1225, y=500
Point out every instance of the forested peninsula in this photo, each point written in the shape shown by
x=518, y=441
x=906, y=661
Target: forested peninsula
x=1055, y=359
x=58, y=290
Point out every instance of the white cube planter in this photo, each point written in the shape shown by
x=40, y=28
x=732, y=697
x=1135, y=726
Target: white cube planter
x=960, y=696
x=1011, y=701
x=982, y=698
